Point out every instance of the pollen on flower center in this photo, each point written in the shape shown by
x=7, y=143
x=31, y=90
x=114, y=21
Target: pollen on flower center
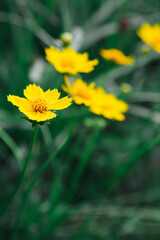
x=39, y=105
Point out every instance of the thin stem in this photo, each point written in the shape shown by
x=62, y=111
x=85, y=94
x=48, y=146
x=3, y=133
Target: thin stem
x=46, y=164
x=76, y=178
x=7, y=204
x=35, y=178
x=82, y=164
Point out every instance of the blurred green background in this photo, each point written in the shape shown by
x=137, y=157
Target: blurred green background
x=104, y=183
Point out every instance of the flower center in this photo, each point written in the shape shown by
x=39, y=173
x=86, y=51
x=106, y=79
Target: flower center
x=67, y=63
x=39, y=105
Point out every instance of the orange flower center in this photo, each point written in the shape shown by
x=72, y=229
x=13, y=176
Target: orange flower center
x=39, y=105
x=67, y=63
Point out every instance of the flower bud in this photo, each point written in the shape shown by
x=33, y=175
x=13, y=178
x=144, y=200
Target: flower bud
x=145, y=49
x=125, y=88
x=66, y=37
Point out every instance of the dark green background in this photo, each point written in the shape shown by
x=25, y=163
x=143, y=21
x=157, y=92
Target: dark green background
x=104, y=184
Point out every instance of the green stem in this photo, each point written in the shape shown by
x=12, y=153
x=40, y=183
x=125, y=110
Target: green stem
x=82, y=163
x=46, y=164
x=12, y=145
x=76, y=178
x=66, y=16
x=36, y=176
x=7, y=204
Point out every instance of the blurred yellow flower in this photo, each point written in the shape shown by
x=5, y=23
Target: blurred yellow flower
x=116, y=56
x=108, y=105
x=150, y=35
x=80, y=92
x=69, y=62
x=37, y=104
x=99, y=102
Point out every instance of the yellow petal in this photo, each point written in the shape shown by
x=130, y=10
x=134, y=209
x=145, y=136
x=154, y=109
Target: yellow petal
x=39, y=117
x=51, y=50
x=78, y=100
x=60, y=104
x=119, y=117
x=51, y=96
x=95, y=109
x=33, y=92
x=123, y=107
x=69, y=70
x=92, y=85
x=117, y=56
x=20, y=102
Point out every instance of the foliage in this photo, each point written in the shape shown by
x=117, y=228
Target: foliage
x=96, y=179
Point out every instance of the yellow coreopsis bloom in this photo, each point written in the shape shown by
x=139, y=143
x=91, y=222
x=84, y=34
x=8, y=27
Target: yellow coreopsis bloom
x=38, y=104
x=150, y=35
x=70, y=62
x=80, y=92
x=108, y=105
x=116, y=56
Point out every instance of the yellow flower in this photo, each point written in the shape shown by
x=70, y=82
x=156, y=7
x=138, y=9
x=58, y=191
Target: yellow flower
x=70, y=62
x=117, y=56
x=108, y=105
x=80, y=92
x=99, y=102
x=150, y=35
x=37, y=104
